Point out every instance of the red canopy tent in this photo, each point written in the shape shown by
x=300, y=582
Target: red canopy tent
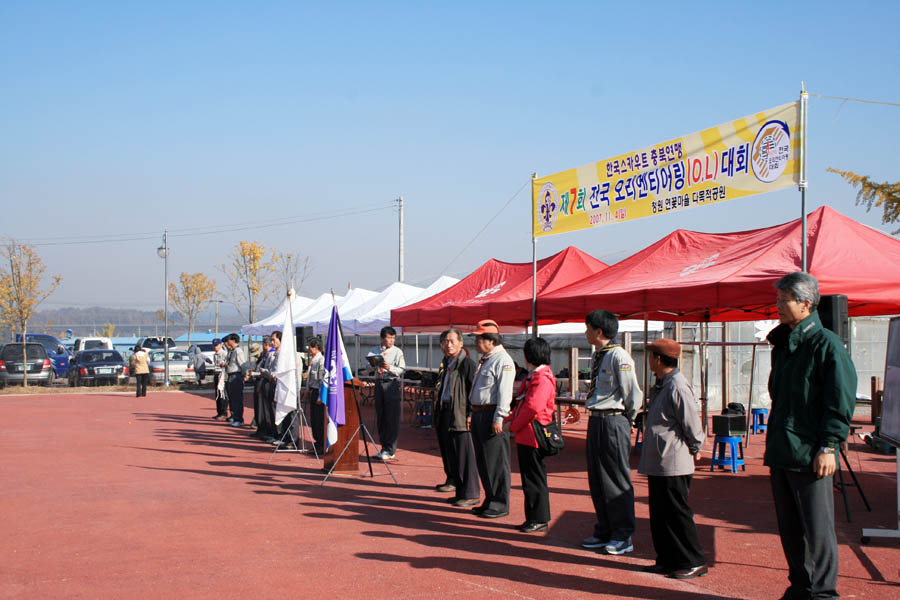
x=498, y=283
x=692, y=276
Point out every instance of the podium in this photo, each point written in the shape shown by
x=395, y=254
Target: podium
x=349, y=463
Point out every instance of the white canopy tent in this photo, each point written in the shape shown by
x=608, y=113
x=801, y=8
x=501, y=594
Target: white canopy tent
x=275, y=321
x=370, y=317
x=319, y=319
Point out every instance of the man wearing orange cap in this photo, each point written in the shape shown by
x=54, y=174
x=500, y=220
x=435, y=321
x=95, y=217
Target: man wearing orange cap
x=672, y=441
x=490, y=399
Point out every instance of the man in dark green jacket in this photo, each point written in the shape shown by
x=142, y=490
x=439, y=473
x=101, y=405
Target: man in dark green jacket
x=813, y=390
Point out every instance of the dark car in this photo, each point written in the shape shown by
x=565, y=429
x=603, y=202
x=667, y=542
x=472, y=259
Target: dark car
x=92, y=367
x=36, y=364
x=59, y=356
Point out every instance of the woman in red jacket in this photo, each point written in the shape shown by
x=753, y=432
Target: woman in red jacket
x=536, y=400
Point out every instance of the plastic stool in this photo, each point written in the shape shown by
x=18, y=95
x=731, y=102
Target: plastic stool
x=736, y=445
x=760, y=417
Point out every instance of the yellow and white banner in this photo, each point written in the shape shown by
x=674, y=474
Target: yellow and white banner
x=758, y=153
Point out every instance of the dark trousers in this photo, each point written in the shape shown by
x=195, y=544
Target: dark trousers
x=235, y=389
x=534, y=484
x=265, y=420
x=441, y=419
x=492, y=457
x=609, y=476
x=672, y=527
x=316, y=414
x=292, y=420
x=387, y=413
x=142, y=380
x=458, y=456
x=804, y=507
x=221, y=399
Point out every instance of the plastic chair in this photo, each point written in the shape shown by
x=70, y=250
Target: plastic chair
x=736, y=446
x=760, y=418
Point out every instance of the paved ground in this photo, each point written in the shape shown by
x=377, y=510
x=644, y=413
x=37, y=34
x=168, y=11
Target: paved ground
x=109, y=496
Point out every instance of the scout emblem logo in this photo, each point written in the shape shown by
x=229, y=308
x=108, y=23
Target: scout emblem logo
x=771, y=151
x=547, y=207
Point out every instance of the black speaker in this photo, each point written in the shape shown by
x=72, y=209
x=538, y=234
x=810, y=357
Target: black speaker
x=835, y=316
x=301, y=336
x=730, y=425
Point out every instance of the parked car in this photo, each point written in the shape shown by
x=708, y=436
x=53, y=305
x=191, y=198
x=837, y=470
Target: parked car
x=179, y=366
x=36, y=364
x=155, y=342
x=203, y=360
x=59, y=356
x=93, y=343
x=93, y=367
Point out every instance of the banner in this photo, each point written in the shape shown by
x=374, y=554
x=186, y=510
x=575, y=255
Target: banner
x=752, y=155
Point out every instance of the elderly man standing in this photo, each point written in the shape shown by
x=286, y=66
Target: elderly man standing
x=813, y=391
x=451, y=421
x=672, y=441
x=613, y=400
x=490, y=402
x=234, y=382
x=387, y=392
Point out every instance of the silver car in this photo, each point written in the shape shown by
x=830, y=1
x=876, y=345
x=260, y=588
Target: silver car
x=180, y=367
x=202, y=359
x=36, y=364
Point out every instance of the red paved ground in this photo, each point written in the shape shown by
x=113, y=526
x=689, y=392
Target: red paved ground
x=110, y=496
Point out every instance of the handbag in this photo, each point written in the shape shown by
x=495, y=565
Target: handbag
x=549, y=438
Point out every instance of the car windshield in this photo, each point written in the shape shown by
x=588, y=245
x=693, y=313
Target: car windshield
x=93, y=344
x=48, y=343
x=173, y=355
x=13, y=352
x=104, y=356
x=205, y=347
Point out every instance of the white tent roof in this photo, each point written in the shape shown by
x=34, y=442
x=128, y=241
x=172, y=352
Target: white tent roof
x=319, y=320
x=371, y=316
x=438, y=285
x=275, y=321
x=324, y=302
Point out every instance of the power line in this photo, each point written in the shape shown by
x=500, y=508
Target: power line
x=855, y=100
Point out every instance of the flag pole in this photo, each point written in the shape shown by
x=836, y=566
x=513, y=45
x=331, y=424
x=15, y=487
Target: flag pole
x=804, y=108
x=533, y=262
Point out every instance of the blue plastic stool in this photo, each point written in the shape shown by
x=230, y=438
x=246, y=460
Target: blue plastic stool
x=760, y=418
x=736, y=445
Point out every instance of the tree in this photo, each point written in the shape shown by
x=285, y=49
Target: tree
x=192, y=296
x=886, y=195
x=108, y=330
x=292, y=270
x=20, y=287
x=252, y=276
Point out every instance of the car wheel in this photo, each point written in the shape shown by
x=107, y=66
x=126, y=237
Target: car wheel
x=50, y=377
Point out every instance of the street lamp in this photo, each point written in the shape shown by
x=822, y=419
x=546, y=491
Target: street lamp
x=163, y=253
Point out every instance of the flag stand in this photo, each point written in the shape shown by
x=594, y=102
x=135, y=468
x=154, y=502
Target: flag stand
x=359, y=428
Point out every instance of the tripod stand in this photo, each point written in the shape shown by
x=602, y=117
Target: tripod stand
x=366, y=438
x=841, y=485
x=297, y=445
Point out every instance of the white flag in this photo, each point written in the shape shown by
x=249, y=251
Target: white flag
x=285, y=371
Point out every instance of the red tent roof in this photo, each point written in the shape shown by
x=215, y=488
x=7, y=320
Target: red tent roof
x=692, y=276
x=494, y=283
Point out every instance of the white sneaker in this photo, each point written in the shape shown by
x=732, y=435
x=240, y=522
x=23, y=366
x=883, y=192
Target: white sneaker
x=594, y=542
x=383, y=455
x=619, y=546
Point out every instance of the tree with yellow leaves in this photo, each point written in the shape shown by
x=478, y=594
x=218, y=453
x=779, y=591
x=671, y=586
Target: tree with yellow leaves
x=252, y=275
x=191, y=296
x=108, y=330
x=886, y=195
x=21, y=273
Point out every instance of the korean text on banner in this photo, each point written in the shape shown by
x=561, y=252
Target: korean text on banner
x=752, y=155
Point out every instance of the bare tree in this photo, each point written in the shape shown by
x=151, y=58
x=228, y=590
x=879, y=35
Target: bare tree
x=292, y=270
x=20, y=288
x=193, y=296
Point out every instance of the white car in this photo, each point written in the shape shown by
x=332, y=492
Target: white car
x=179, y=366
x=203, y=360
x=92, y=343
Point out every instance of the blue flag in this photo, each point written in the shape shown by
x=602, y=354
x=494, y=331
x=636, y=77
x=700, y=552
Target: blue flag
x=337, y=371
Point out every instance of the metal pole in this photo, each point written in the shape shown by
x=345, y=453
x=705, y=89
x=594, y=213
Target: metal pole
x=534, y=327
x=166, y=290
x=218, y=302
x=400, y=266
x=804, y=105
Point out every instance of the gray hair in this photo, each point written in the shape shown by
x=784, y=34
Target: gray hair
x=802, y=286
x=444, y=334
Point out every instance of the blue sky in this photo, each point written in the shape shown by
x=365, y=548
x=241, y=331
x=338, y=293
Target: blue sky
x=120, y=118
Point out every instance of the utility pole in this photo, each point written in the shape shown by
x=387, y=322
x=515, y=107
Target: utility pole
x=400, y=269
x=218, y=302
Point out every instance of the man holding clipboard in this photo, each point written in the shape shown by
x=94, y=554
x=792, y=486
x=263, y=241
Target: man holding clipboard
x=389, y=367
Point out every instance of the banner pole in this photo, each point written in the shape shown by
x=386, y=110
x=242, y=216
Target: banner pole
x=533, y=262
x=804, y=106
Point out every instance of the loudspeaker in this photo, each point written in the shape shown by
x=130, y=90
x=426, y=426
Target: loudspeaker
x=301, y=335
x=835, y=316
x=729, y=425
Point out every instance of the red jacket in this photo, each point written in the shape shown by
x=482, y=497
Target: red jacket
x=539, y=402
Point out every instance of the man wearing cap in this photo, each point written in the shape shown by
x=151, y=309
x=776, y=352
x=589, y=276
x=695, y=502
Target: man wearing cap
x=387, y=392
x=219, y=379
x=613, y=399
x=673, y=436
x=813, y=390
x=490, y=401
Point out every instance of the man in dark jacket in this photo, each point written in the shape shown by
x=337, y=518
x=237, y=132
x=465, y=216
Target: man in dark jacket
x=813, y=390
x=450, y=411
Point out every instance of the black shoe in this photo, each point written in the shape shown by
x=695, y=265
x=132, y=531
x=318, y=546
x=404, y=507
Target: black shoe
x=689, y=573
x=491, y=513
x=654, y=568
x=479, y=509
x=532, y=527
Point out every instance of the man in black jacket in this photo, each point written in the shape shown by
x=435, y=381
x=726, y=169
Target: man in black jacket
x=450, y=412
